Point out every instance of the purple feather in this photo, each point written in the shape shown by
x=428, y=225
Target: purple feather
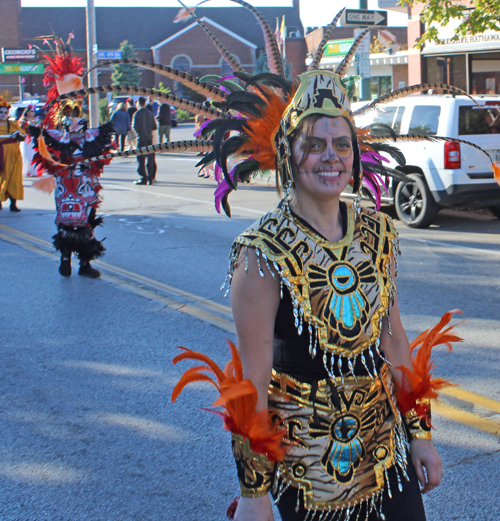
x=202, y=126
x=374, y=183
x=222, y=189
x=373, y=157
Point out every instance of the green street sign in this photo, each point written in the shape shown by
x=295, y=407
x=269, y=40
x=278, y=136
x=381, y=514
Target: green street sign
x=22, y=68
x=338, y=47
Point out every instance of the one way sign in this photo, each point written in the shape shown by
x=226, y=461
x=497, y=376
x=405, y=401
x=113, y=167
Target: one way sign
x=360, y=17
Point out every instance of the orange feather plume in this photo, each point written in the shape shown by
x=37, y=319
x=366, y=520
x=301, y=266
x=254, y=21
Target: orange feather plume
x=262, y=129
x=184, y=14
x=496, y=172
x=47, y=184
x=418, y=383
x=238, y=399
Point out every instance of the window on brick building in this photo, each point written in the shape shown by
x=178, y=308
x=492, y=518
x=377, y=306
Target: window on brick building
x=225, y=69
x=182, y=63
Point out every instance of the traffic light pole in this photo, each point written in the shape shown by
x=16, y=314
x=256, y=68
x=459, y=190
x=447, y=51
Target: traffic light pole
x=364, y=93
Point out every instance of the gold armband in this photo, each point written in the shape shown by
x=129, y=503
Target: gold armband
x=418, y=421
x=255, y=471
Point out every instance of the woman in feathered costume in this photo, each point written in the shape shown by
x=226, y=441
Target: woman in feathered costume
x=337, y=410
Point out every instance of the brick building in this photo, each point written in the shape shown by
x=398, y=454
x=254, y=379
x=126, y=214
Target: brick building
x=10, y=36
x=154, y=35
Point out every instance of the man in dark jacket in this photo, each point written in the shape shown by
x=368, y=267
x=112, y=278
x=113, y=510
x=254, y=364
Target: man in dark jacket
x=144, y=123
x=164, y=122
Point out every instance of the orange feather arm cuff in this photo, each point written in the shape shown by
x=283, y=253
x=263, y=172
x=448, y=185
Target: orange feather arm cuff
x=257, y=441
x=418, y=386
x=238, y=398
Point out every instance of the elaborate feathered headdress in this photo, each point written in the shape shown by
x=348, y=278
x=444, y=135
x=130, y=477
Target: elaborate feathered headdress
x=64, y=74
x=249, y=125
x=5, y=99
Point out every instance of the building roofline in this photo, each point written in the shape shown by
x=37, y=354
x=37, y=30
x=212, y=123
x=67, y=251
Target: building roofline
x=211, y=22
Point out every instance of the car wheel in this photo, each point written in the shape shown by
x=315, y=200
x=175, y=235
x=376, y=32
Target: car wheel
x=174, y=124
x=414, y=203
x=495, y=210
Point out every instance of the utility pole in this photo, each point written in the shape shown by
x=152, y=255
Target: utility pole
x=92, y=62
x=364, y=93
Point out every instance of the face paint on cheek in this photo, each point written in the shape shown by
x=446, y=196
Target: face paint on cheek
x=343, y=149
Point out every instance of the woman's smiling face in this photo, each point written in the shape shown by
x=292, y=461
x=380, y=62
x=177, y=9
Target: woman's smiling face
x=322, y=161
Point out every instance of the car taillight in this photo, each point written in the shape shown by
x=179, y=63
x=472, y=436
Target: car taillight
x=452, y=155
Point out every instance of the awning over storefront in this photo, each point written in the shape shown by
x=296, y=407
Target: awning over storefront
x=487, y=41
x=466, y=45
x=398, y=58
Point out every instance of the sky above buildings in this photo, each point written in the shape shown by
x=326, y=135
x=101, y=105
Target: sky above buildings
x=313, y=13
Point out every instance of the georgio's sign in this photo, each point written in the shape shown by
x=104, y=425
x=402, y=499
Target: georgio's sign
x=18, y=55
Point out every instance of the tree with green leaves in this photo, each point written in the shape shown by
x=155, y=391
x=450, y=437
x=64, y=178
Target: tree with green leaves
x=475, y=17
x=161, y=88
x=126, y=73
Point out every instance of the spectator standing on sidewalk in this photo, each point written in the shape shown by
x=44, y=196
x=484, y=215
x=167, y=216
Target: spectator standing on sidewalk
x=122, y=124
x=131, y=108
x=144, y=124
x=164, y=122
x=131, y=137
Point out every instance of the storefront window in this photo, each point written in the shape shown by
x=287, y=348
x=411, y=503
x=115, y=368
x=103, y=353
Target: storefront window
x=485, y=73
x=380, y=85
x=447, y=69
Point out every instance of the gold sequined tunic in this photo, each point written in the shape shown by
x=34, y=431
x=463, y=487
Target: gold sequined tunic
x=344, y=430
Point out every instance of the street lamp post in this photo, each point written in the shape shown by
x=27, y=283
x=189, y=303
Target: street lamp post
x=364, y=93
x=92, y=62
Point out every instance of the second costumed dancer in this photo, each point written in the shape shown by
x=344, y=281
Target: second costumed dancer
x=61, y=145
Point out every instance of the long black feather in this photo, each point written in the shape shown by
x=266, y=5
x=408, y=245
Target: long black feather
x=272, y=80
x=219, y=135
x=384, y=170
x=211, y=127
x=225, y=204
x=391, y=150
x=245, y=169
x=229, y=147
x=243, y=76
x=207, y=159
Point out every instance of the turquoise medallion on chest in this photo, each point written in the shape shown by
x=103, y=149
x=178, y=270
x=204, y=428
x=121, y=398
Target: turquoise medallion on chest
x=344, y=306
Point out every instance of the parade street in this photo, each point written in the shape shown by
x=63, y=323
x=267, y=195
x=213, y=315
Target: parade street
x=87, y=426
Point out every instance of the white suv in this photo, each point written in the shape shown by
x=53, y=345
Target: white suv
x=442, y=174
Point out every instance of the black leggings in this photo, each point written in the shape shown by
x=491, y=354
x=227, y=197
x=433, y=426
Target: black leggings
x=403, y=506
x=121, y=141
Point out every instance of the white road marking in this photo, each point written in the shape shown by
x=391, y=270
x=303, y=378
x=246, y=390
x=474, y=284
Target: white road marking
x=180, y=198
x=452, y=246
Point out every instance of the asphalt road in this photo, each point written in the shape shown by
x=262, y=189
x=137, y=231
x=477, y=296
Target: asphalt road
x=87, y=428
